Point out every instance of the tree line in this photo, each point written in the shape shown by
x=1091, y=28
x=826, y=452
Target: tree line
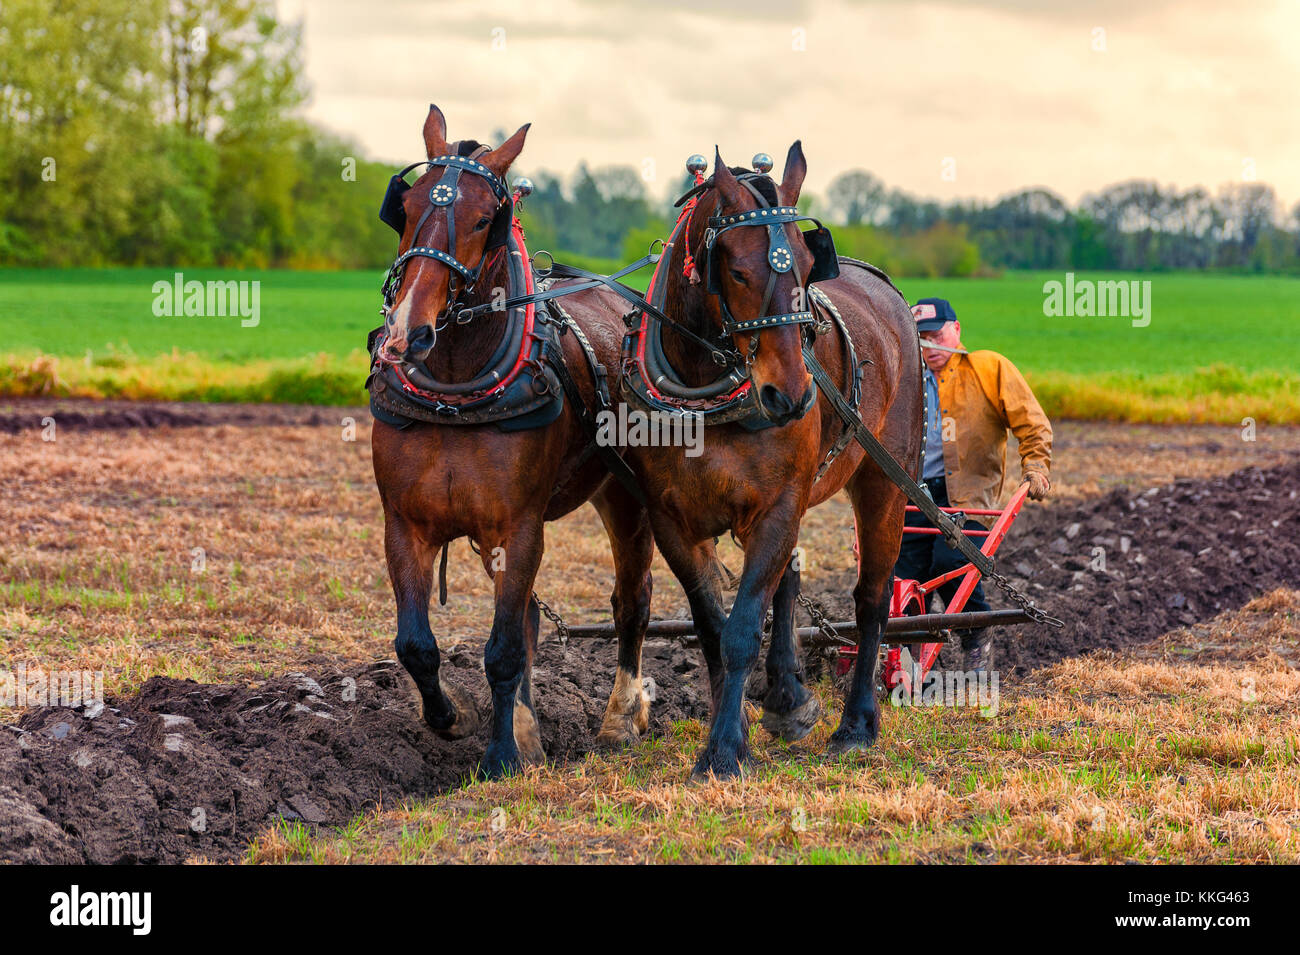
x=1134, y=225
x=169, y=132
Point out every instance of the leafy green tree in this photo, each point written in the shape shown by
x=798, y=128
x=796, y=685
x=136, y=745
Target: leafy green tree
x=75, y=107
x=857, y=195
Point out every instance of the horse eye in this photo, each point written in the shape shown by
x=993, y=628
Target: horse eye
x=735, y=274
x=483, y=223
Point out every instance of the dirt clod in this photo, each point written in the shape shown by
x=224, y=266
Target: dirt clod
x=182, y=769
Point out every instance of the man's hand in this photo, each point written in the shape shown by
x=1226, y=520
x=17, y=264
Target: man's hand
x=1038, y=485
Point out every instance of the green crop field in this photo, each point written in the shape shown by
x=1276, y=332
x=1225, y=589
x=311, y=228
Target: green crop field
x=1216, y=348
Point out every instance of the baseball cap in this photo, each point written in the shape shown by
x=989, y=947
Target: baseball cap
x=932, y=314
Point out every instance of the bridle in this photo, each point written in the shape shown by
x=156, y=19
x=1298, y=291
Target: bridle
x=443, y=195
x=780, y=257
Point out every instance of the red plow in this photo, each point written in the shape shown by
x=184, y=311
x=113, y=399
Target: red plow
x=909, y=656
x=907, y=665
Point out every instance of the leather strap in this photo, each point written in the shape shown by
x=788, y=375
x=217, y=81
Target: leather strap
x=779, y=258
x=893, y=470
x=612, y=460
x=443, y=196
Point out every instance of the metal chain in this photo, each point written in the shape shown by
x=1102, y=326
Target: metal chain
x=820, y=622
x=1023, y=602
x=1008, y=589
x=561, y=628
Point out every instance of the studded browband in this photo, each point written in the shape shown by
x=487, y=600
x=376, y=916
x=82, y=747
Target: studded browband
x=443, y=194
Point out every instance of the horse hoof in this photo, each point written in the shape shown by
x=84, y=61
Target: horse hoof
x=796, y=724
x=465, y=720
x=617, y=731
x=620, y=728
x=719, y=765
x=713, y=772
x=627, y=714
x=527, y=738
x=497, y=763
x=845, y=742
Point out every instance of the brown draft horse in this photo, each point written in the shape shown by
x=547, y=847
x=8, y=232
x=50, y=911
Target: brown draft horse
x=442, y=482
x=759, y=484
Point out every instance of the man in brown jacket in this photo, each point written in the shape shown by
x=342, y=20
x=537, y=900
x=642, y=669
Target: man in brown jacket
x=971, y=400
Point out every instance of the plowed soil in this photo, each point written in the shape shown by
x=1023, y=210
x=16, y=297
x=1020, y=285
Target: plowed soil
x=1124, y=568
x=182, y=769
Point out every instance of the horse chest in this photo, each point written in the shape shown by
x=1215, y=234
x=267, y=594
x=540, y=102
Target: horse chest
x=707, y=497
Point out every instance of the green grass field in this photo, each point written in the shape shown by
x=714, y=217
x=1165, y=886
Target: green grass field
x=1218, y=348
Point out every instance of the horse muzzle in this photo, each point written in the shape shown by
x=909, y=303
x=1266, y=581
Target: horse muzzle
x=779, y=408
x=415, y=347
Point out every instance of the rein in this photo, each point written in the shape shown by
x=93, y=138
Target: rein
x=917, y=494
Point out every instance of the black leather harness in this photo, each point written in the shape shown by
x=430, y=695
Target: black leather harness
x=651, y=383
x=779, y=256
x=525, y=382
x=517, y=388
x=443, y=195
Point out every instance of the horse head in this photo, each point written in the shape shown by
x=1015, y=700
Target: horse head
x=449, y=219
x=759, y=277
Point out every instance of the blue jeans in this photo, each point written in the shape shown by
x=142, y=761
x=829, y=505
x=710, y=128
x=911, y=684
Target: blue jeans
x=926, y=556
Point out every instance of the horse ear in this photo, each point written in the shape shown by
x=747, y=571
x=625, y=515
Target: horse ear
x=725, y=182
x=435, y=133
x=499, y=159
x=796, y=167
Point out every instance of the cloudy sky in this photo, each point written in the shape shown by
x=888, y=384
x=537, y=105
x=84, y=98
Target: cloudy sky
x=955, y=98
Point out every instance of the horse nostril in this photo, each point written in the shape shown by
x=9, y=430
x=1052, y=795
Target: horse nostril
x=421, y=339
x=776, y=401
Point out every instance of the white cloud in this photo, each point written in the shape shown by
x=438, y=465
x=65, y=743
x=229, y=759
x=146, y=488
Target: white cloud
x=1010, y=89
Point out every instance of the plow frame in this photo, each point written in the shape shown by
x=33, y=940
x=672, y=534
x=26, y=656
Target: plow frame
x=909, y=598
x=908, y=626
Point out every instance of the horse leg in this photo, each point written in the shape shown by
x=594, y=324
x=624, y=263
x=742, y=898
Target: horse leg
x=789, y=710
x=878, y=509
x=528, y=737
x=695, y=565
x=507, y=658
x=627, y=714
x=449, y=711
x=766, y=553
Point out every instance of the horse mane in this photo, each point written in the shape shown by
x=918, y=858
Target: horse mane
x=764, y=184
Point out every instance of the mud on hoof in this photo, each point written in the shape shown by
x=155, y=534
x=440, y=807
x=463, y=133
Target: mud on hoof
x=622, y=728
x=527, y=737
x=795, y=724
x=617, y=730
x=627, y=714
x=464, y=720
